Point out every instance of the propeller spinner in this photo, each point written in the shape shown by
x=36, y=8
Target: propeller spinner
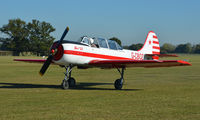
x=52, y=52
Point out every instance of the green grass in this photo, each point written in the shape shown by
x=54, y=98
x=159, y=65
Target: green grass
x=148, y=94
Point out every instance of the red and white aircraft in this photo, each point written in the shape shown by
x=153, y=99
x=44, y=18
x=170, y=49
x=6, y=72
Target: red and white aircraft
x=103, y=53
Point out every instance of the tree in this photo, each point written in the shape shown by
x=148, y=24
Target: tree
x=125, y=47
x=4, y=44
x=39, y=37
x=135, y=46
x=184, y=48
x=167, y=48
x=0, y=46
x=17, y=36
x=197, y=48
x=33, y=37
x=117, y=40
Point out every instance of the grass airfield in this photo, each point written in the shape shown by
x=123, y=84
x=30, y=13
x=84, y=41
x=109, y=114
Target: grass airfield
x=148, y=94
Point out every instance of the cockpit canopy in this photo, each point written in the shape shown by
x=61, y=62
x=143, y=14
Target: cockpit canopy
x=101, y=43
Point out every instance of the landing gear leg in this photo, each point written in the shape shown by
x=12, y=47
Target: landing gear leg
x=119, y=82
x=68, y=81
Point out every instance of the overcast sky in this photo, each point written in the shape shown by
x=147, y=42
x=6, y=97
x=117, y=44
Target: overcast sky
x=174, y=21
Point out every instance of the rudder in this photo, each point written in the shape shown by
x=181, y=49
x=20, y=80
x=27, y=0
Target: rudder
x=151, y=45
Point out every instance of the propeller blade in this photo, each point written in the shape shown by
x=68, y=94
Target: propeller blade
x=63, y=36
x=50, y=58
x=46, y=65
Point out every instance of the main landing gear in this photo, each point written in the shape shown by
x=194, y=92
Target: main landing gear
x=119, y=82
x=68, y=82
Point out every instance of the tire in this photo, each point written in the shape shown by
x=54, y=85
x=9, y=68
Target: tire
x=72, y=82
x=65, y=85
x=118, y=84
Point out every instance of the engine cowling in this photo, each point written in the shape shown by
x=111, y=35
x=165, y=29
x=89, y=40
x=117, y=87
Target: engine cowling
x=57, y=52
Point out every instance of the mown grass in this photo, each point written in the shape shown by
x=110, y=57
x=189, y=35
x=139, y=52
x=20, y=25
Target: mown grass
x=148, y=94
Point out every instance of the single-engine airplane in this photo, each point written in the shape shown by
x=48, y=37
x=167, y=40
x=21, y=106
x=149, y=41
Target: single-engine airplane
x=103, y=53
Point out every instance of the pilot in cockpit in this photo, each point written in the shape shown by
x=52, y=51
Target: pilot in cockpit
x=92, y=42
x=89, y=41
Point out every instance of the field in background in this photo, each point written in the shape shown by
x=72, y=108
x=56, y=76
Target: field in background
x=148, y=94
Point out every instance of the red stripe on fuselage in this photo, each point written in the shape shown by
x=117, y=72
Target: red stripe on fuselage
x=86, y=54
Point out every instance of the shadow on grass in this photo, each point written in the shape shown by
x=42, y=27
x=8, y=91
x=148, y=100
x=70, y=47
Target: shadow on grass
x=23, y=85
x=79, y=86
x=86, y=86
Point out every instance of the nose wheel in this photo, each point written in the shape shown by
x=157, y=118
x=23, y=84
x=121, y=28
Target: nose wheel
x=65, y=84
x=119, y=82
x=68, y=82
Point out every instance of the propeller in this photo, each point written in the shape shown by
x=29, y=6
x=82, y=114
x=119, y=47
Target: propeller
x=50, y=57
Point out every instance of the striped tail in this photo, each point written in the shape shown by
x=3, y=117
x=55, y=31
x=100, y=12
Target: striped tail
x=151, y=45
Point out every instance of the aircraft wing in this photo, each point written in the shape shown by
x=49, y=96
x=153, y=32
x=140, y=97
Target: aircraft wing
x=124, y=63
x=138, y=63
x=31, y=60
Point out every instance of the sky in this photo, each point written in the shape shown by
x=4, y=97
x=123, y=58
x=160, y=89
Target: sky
x=174, y=21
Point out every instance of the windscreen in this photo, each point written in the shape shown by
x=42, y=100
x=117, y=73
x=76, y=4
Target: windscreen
x=102, y=43
x=112, y=44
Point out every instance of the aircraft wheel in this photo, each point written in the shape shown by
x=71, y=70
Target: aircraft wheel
x=118, y=84
x=65, y=84
x=72, y=82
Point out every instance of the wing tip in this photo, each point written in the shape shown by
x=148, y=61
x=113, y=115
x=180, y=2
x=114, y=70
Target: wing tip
x=184, y=62
x=15, y=59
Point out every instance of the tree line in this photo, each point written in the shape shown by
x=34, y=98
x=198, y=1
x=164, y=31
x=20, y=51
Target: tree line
x=19, y=36
x=169, y=48
x=35, y=37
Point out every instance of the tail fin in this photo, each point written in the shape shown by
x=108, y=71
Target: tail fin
x=151, y=45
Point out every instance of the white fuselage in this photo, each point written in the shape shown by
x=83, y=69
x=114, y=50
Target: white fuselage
x=82, y=55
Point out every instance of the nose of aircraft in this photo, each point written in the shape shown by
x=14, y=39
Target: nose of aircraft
x=57, y=52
